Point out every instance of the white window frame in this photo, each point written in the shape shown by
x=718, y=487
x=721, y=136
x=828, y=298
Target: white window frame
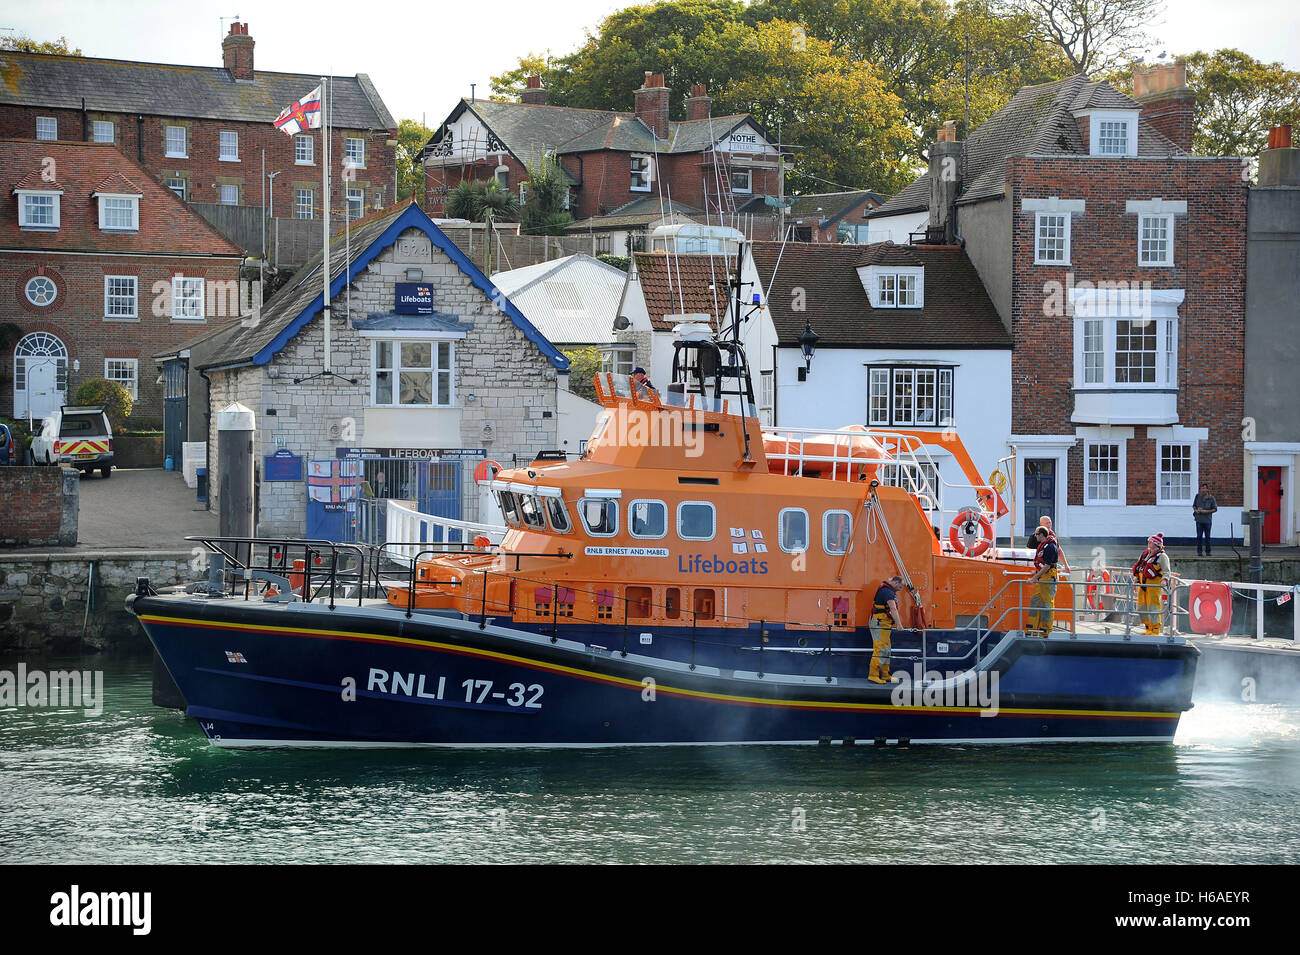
x=1121, y=447
x=1193, y=474
x=97, y=128
x=24, y=212
x=1096, y=118
x=748, y=188
x=1168, y=259
x=354, y=148
x=437, y=371
x=945, y=384
x=47, y=128
x=310, y=195
x=826, y=515
x=1038, y=238
x=780, y=529
x=631, y=525
x=228, y=145
x=884, y=286
x=183, y=192
x=185, y=289
x=299, y=141
x=27, y=291
x=109, y=314
x=221, y=194
x=640, y=172
x=615, y=358
x=169, y=147
x=357, y=195
x=105, y=198
x=713, y=514
x=133, y=385
x=1166, y=355
x=603, y=501
x=767, y=389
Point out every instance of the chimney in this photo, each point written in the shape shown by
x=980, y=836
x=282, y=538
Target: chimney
x=237, y=52
x=699, y=103
x=534, y=93
x=1279, y=165
x=945, y=184
x=652, y=104
x=1167, y=104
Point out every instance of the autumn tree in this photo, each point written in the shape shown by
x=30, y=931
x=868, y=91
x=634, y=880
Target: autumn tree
x=25, y=44
x=1094, y=35
x=1238, y=100
x=411, y=138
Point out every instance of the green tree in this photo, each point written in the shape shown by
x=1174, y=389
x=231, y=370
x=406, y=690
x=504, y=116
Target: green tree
x=584, y=363
x=116, y=400
x=25, y=44
x=547, y=192
x=1238, y=100
x=483, y=201
x=411, y=137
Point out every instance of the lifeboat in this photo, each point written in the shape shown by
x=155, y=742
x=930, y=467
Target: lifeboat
x=850, y=454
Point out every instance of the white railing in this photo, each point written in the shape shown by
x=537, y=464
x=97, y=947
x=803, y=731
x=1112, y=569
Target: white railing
x=406, y=524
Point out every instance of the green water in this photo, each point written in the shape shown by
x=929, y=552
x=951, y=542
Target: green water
x=139, y=784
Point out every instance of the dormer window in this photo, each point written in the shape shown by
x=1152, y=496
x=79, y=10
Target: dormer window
x=892, y=287
x=38, y=209
x=1113, y=133
x=118, y=213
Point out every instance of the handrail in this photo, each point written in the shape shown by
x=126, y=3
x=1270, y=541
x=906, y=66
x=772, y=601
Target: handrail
x=403, y=522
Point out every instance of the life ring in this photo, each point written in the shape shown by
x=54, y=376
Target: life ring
x=962, y=536
x=1209, y=607
x=482, y=541
x=1098, y=587
x=481, y=473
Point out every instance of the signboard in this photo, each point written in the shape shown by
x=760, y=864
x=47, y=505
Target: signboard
x=419, y=454
x=413, y=298
x=284, y=465
x=747, y=139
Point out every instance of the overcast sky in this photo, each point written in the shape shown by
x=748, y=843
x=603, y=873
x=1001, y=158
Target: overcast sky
x=423, y=57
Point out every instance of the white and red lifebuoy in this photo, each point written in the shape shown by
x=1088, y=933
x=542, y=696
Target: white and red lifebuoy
x=486, y=470
x=1098, y=587
x=1209, y=607
x=971, y=532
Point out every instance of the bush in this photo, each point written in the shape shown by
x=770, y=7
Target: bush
x=623, y=262
x=116, y=400
x=584, y=363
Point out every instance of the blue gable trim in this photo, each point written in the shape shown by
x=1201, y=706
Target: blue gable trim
x=414, y=217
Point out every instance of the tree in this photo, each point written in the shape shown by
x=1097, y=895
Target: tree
x=483, y=201
x=116, y=400
x=1094, y=35
x=25, y=44
x=1238, y=100
x=411, y=138
x=584, y=363
x=547, y=191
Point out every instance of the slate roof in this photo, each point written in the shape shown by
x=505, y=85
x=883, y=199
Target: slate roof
x=638, y=212
x=958, y=312
x=299, y=302
x=1038, y=121
x=679, y=284
x=833, y=206
x=162, y=89
x=167, y=226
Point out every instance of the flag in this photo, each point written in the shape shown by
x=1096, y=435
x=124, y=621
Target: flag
x=301, y=115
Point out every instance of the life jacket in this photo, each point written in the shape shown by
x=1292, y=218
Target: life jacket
x=1148, y=565
x=879, y=607
x=1038, y=554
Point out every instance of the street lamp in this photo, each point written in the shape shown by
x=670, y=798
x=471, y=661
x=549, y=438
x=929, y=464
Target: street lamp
x=808, y=344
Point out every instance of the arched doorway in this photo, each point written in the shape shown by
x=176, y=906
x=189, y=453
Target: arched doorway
x=40, y=375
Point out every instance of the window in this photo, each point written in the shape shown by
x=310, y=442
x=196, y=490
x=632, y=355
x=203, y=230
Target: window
x=230, y=195
x=187, y=299
x=640, y=172
x=531, y=509
x=354, y=152
x=1126, y=353
x=742, y=181
x=1112, y=137
x=837, y=529
x=523, y=193
x=599, y=516
x=695, y=521
x=102, y=131
x=618, y=360
x=766, y=389
x=1155, y=240
x=303, y=151
x=356, y=203
x=41, y=290
x=123, y=371
x=38, y=210
x=1177, y=473
x=510, y=507
x=229, y=146
x=47, y=127
x=895, y=288
x=177, y=142
x=1052, y=238
x=177, y=185
x=794, y=530
x=413, y=374
x=1135, y=351
x=304, y=203
x=1102, y=474
x=647, y=519
x=119, y=213
x=1094, y=352
x=120, y=295
x=559, y=516
x=908, y=395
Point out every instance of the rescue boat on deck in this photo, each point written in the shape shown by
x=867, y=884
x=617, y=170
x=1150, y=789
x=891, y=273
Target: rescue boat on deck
x=692, y=578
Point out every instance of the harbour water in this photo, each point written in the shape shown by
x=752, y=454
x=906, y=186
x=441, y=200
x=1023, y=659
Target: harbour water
x=137, y=784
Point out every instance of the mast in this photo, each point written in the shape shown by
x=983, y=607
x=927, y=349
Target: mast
x=325, y=186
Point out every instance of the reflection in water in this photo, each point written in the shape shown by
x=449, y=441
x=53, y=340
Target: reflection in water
x=139, y=784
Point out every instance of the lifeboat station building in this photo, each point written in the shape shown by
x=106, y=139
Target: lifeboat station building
x=428, y=362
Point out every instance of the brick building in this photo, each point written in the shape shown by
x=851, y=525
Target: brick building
x=837, y=217
x=613, y=159
x=1117, y=261
x=99, y=265
x=202, y=130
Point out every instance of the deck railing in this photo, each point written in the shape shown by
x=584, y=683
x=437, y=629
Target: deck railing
x=405, y=523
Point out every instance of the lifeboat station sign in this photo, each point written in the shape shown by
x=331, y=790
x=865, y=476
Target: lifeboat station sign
x=413, y=298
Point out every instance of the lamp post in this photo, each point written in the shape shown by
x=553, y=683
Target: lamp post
x=808, y=345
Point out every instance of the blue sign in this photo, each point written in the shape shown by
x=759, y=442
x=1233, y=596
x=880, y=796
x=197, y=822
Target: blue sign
x=282, y=466
x=413, y=298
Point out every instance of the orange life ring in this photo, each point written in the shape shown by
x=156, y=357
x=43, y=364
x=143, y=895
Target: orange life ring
x=1098, y=587
x=482, y=541
x=1209, y=607
x=481, y=472
x=963, y=528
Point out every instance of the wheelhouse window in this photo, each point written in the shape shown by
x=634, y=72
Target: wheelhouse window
x=1103, y=469
x=413, y=374
x=837, y=529
x=558, y=514
x=908, y=396
x=599, y=516
x=695, y=521
x=648, y=519
x=510, y=508
x=794, y=530
x=530, y=509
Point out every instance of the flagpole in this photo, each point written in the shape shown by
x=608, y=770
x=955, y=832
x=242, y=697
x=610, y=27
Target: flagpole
x=325, y=186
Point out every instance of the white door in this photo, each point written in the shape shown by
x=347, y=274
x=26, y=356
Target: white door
x=43, y=396
x=40, y=368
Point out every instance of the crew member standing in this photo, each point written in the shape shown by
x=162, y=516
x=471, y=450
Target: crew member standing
x=884, y=617
x=1149, y=573
x=1043, y=593
x=1045, y=522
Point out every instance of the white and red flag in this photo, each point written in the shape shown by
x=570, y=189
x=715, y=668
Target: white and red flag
x=301, y=115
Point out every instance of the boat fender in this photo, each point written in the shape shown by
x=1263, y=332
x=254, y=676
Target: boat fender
x=962, y=533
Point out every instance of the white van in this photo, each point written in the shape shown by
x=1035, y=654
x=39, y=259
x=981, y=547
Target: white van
x=76, y=436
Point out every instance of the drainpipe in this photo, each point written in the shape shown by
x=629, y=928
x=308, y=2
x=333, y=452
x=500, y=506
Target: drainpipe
x=139, y=137
x=207, y=436
x=85, y=122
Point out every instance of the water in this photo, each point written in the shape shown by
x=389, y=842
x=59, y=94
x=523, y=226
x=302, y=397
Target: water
x=139, y=784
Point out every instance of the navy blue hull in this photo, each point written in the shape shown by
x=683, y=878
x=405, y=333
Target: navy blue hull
x=304, y=675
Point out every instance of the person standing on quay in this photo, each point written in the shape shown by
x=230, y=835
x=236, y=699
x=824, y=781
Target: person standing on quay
x=1203, y=507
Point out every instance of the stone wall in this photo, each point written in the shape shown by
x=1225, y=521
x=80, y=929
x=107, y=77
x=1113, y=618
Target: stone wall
x=43, y=598
x=40, y=506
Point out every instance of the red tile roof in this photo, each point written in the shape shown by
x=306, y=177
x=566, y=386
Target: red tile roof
x=167, y=225
x=37, y=179
x=680, y=284
x=117, y=184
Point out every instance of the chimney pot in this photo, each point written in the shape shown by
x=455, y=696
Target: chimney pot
x=651, y=104
x=948, y=132
x=534, y=93
x=1167, y=103
x=699, y=104
x=237, y=52
x=1279, y=137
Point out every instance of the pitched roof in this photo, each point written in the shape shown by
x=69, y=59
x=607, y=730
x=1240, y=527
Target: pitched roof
x=116, y=183
x=570, y=300
x=1037, y=121
x=166, y=224
x=638, y=212
x=957, y=312
x=681, y=284
x=290, y=309
x=161, y=89
x=832, y=206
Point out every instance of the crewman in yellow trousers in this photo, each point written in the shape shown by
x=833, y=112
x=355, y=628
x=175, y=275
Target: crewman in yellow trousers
x=1043, y=581
x=1149, y=574
x=884, y=617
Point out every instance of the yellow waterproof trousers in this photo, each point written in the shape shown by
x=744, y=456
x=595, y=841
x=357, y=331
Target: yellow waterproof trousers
x=1149, y=604
x=882, y=625
x=1042, y=597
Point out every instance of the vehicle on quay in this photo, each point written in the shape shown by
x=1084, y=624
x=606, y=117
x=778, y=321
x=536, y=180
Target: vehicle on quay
x=77, y=436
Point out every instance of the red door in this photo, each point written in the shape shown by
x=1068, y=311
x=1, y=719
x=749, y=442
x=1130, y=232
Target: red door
x=1270, y=501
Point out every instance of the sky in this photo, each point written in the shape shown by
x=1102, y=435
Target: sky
x=424, y=57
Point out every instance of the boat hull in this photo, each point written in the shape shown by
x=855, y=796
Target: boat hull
x=303, y=675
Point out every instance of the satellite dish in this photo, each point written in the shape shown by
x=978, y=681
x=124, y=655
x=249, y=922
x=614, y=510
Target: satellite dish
x=621, y=323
